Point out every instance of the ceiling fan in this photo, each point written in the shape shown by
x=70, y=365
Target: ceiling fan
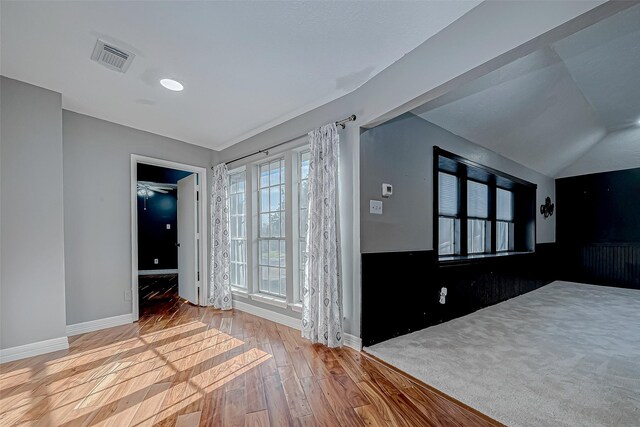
x=147, y=189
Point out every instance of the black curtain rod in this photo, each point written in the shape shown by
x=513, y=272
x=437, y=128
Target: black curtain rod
x=342, y=123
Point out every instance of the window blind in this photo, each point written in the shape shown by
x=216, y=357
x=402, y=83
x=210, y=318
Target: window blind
x=504, y=205
x=447, y=194
x=477, y=200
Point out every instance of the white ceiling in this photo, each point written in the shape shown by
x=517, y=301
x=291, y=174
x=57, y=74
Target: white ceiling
x=552, y=107
x=246, y=66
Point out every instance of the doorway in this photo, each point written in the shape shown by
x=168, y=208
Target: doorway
x=168, y=253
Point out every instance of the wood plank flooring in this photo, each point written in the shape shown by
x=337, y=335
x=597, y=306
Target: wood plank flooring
x=182, y=365
x=157, y=292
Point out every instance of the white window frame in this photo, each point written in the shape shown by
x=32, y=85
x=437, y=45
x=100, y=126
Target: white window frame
x=282, y=239
x=292, y=300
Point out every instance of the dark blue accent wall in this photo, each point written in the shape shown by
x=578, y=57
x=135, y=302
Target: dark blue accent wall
x=154, y=240
x=599, y=228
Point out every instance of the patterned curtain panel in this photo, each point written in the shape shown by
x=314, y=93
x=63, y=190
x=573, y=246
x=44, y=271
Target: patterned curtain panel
x=219, y=285
x=322, y=292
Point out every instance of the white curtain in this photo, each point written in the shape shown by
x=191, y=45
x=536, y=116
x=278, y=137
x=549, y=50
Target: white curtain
x=322, y=292
x=219, y=285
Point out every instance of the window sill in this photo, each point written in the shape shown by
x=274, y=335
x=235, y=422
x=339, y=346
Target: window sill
x=458, y=259
x=239, y=292
x=296, y=307
x=268, y=299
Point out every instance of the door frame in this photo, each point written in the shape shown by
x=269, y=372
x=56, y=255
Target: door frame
x=202, y=224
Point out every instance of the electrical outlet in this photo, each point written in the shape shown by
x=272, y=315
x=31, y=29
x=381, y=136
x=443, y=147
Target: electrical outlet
x=127, y=295
x=443, y=295
x=375, y=207
x=155, y=260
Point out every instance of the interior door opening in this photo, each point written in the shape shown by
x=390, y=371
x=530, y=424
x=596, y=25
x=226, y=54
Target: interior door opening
x=167, y=249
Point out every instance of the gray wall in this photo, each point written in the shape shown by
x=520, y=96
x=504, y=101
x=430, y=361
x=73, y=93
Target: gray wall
x=400, y=152
x=32, y=291
x=97, y=156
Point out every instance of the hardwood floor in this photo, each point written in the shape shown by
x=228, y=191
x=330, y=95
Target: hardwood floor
x=186, y=366
x=157, y=293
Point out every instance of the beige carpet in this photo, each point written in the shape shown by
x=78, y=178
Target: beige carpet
x=566, y=354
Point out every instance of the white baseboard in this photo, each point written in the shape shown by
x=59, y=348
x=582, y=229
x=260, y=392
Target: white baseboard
x=96, y=325
x=154, y=272
x=34, y=349
x=283, y=319
x=349, y=340
x=353, y=342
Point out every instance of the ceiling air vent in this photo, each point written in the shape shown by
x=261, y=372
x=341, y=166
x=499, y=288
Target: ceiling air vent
x=112, y=57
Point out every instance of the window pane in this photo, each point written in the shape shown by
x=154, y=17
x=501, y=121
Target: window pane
x=446, y=236
x=264, y=225
x=447, y=194
x=264, y=175
x=274, y=253
x=274, y=221
x=502, y=236
x=238, y=255
x=449, y=236
x=264, y=279
x=477, y=199
x=282, y=224
x=275, y=173
x=283, y=281
x=504, y=205
x=477, y=236
x=303, y=204
x=283, y=254
x=304, y=223
x=272, y=244
x=274, y=280
x=264, y=200
x=264, y=252
x=304, y=194
x=274, y=196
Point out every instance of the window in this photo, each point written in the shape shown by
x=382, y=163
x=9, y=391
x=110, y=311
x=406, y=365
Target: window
x=504, y=220
x=478, y=226
x=269, y=227
x=449, y=210
x=272, y=269
x=480, y=210
x=304, y=160
x=237, y=224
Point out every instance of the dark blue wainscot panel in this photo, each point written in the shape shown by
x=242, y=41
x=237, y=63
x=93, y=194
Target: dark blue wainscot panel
x=401, y=290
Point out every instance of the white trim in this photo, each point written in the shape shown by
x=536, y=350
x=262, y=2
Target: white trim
x=283, y=319
x=349, y=340
x=352, y=341
x=267, y=299
x=202, y=226
x=34, y=349
x=96, y=325
x=239, y=292
x=154, y=272
x=297, y=307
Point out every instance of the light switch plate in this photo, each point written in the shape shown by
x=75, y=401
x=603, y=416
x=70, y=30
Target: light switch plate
x=375, y=207
x=168, y=226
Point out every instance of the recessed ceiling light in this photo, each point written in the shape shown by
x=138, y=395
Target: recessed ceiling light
x=172, y=85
